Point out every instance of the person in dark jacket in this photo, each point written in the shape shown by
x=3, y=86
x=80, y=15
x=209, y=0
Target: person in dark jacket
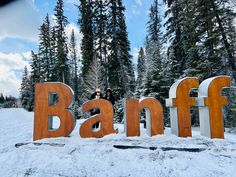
x=110, y=97
x=96, y=95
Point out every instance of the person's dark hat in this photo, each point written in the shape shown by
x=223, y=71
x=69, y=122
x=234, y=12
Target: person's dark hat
x=108, y=90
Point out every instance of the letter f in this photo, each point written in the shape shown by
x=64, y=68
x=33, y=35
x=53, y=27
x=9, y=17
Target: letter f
x=210, y=104
x=179, y=103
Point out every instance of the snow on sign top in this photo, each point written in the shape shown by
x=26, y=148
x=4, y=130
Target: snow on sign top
x=210, y=102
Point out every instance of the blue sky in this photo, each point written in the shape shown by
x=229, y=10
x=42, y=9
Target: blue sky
x=20, y=22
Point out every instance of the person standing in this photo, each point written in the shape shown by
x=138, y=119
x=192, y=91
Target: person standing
x=96, y=95
x=110, y=97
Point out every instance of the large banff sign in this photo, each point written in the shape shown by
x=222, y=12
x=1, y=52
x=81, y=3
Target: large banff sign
x=209, y=101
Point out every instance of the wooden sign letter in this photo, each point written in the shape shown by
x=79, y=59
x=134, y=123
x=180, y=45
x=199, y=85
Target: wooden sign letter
x=42, y=110
x=210, y=104
x=154, y=116
x=105, y=117
x=179, y=102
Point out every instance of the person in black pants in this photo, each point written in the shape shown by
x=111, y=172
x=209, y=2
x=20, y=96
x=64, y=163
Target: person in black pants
x=96, y=95
x=110, y=97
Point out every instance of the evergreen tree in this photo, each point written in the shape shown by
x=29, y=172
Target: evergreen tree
x=176, y=34
x=53, y=55
x=120, y=68
x=100, y=39
x=154, y=82
x=45, y=52
x=200, y=38
x=74, y=69
x=2, y=99
x=200, y=33
x=74, y=61
x=92, y=79
x=62, y=64
x=141, y=72
x=10, y=102
x=35, y=68
x=86, y=22
x=86, y=26
x=35, y=77
x=25, y=92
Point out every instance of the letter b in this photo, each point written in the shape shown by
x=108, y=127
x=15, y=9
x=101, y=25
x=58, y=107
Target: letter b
x=43, y=110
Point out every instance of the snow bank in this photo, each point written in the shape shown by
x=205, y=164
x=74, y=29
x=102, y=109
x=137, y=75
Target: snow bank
x=97, y=157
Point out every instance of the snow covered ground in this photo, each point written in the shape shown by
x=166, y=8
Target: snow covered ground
x=74, y=156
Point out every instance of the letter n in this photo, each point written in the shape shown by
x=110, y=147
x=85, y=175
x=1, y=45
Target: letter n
x=210, y=104
x=105, y=117
x=154, y=116
x=179, y=102
x=43, y=110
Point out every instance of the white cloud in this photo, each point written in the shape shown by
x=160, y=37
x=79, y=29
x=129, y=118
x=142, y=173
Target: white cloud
x=137, y=7
x=139, y=2
x=10, y=66
x=19, y=19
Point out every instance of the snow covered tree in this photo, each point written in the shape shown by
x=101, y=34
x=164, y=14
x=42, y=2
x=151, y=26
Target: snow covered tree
x=25, y=91
x=120, y=67
x=86, y=26
x=2, y=99
x=62, y=64
x=141, y=72
x=100, y=26
x=86, y=23
x=154, y=79
x=74, y=63
x=53, y=55
x=200, y=35
x=105, y=38
x=175, y=35
x=45, y=51
x=34, y=77
x=93, y=78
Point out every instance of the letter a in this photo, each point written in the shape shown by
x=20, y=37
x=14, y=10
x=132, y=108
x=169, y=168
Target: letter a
x=42, y=110
x=210, y=104
x=105, y=117
x=179, y=103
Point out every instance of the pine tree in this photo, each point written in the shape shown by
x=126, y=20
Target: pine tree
x=25, y=92
x=199, y=30
x=74, y=64
x=53, y=55
x=154, y=78
x=62, y=64
x=2, y=99
x=92, y=79
x=86, y=22
x=100, y=38
x=175, y=35
x=45, y=52
x=141, y=72
x=120, y=67
x=34, y=77
x=86, y=26
x=35, y=68
x=200, y=33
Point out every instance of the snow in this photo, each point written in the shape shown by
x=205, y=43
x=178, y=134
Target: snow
x=97, y=157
